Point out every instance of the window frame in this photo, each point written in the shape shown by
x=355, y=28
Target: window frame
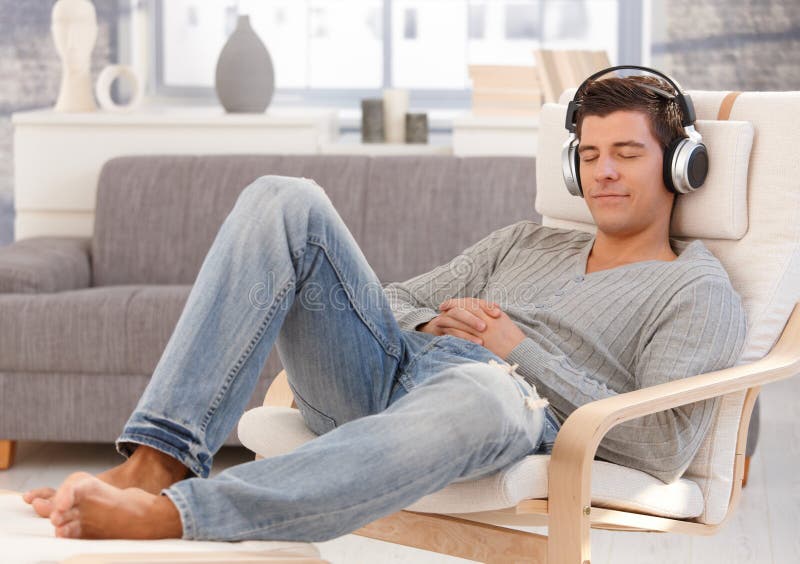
x=632, y=17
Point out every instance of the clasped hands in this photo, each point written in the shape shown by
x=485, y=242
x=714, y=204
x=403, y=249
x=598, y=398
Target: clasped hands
x=478, y=321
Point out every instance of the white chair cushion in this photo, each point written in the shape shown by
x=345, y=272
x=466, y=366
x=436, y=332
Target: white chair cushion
x=717, y=210
x=270, y=431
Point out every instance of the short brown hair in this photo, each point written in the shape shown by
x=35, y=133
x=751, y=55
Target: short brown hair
x=605, y=96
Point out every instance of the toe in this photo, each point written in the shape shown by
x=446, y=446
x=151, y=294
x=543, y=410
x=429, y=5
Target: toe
x=71, y=530
x=64, y=498
x=43, y=507
x=59, y=518
x=38, y=493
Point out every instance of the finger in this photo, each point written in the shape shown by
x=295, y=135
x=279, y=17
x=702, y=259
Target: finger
x=464, y=335
x=463, y=320
x=453, y=324
x=491, y=308
x=468, y=318
x=448, y=304
x=43, y=493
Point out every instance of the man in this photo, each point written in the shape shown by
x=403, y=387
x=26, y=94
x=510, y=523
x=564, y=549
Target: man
x=444, y=377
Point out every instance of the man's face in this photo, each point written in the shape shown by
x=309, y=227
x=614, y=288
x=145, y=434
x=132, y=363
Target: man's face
x=621, y=174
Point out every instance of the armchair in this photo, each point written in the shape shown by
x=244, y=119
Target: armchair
x=747, y=215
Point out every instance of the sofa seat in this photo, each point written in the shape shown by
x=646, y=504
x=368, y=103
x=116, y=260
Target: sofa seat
x=271, y=431
x=108, y=330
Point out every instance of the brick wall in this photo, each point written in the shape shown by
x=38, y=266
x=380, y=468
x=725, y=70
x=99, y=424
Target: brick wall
x=728, y=44
x=30, y=66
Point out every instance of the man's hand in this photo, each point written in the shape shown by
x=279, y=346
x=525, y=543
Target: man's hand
x=463, y=317
x=478, y=321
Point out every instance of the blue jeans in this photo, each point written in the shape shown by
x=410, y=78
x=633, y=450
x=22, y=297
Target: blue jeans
x=399, y=414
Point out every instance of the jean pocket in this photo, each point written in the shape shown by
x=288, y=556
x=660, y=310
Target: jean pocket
x=551, y=428
x=315, y=420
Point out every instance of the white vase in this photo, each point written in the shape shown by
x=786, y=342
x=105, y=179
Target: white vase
x=74, y=29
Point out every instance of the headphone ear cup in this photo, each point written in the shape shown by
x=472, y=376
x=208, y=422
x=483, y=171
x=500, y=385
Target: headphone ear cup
x=669, y=157
x=697, y=167
x=569, y=167
x=576, y=166
x=685, y=165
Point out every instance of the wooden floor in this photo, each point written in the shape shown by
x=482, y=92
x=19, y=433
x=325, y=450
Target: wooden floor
x=765, y=530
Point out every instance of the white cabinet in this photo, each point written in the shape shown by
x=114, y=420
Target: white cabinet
x=58, y=157
x=385, y=149
x=494, y=135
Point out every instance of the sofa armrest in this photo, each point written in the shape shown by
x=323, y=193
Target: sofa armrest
x=44, y=265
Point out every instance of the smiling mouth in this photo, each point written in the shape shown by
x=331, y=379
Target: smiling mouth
x=608, y=196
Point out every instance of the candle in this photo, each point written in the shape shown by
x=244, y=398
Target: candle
x=416, y=128
x=372, y=120
x=395, y=106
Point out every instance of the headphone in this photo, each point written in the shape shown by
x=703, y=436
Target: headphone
x=685, y=158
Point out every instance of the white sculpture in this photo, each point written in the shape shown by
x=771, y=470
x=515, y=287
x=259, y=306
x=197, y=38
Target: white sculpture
x=74, y=28
x=102, y=88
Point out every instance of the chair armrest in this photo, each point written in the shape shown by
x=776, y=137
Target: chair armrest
x=45, y=264
x=279, y=394
x=577, y=441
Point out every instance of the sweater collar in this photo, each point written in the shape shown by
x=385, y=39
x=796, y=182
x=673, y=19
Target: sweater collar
x=684, y=249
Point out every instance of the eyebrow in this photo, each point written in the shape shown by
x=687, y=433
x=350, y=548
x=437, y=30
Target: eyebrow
x=634, y=144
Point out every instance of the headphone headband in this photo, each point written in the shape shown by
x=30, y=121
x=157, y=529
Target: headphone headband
x=683, y=99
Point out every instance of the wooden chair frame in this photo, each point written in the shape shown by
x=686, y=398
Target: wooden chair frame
x=568, y=512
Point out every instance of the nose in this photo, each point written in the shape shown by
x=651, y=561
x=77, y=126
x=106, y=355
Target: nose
x=605, y=169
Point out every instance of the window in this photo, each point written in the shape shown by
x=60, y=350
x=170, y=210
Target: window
x=334, y=52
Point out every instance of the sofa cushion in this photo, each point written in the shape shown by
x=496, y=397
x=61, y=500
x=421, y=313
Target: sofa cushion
x=423, y=211
x=270, y=431
x=117, y=329
x=157, y=216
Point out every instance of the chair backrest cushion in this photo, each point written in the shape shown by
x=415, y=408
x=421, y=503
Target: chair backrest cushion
x=763, y=260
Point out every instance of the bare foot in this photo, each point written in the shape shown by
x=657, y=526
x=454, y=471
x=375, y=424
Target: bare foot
x=88, y=508
x=147, y=469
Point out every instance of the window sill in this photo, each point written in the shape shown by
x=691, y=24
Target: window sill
x=439, y=119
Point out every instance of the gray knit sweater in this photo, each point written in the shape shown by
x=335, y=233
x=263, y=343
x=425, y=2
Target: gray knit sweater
x=592, y=336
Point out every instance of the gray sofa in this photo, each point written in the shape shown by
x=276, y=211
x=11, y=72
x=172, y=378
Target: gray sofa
x=83, y=322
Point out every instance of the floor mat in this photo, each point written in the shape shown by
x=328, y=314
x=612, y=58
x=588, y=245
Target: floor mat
x=26, y=538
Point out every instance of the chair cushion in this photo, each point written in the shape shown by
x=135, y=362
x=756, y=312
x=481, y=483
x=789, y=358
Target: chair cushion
x=718, y=210
x=270, y=431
